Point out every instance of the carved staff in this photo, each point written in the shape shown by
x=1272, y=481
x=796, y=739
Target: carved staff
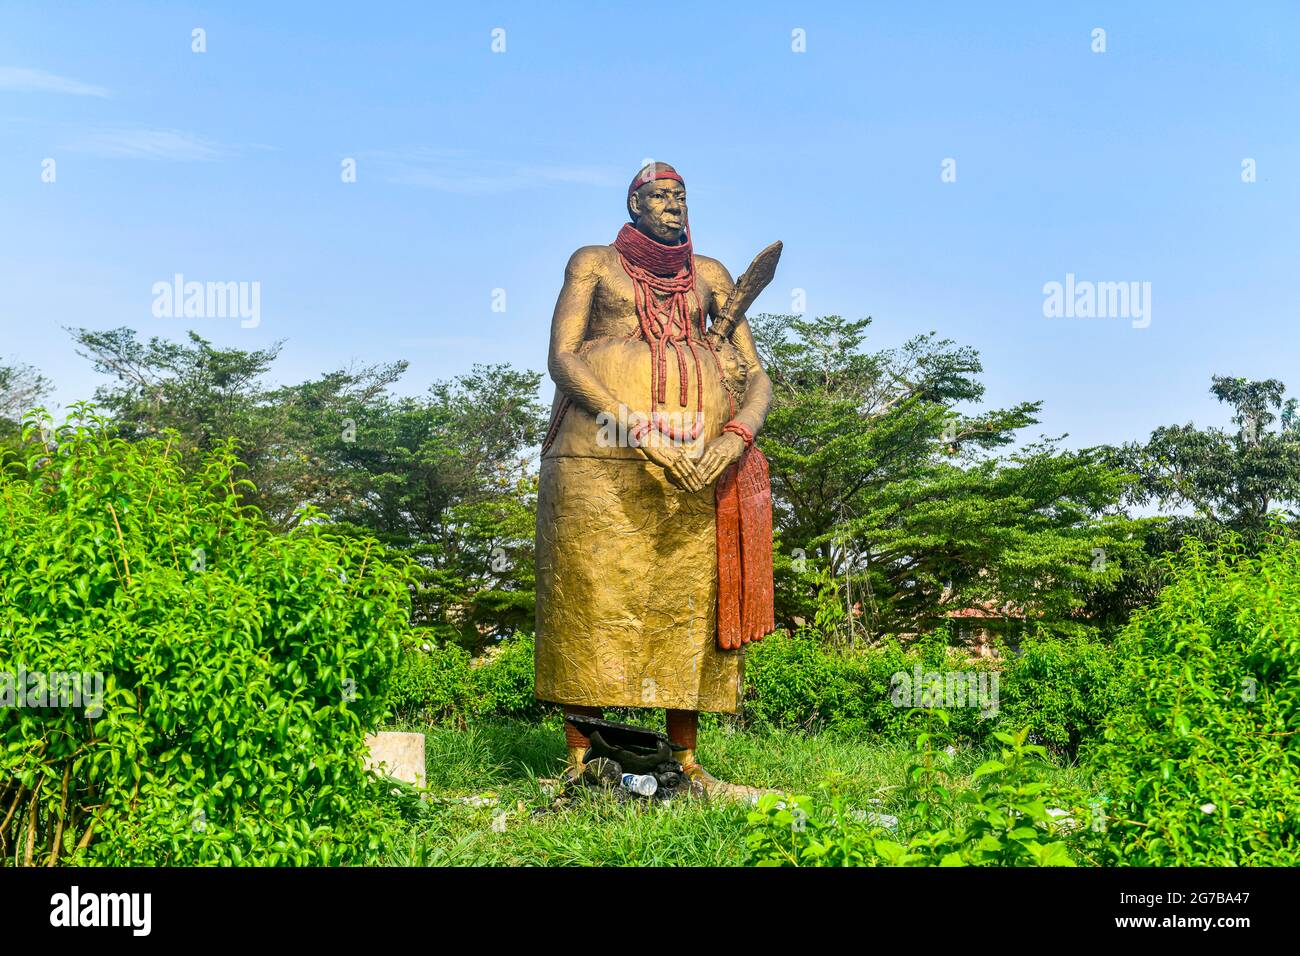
x=753, y=281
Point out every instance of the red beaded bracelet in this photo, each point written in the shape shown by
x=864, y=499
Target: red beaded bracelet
x=737, y=428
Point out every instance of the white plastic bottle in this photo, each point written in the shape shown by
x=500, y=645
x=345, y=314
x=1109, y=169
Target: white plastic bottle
x=643, y=784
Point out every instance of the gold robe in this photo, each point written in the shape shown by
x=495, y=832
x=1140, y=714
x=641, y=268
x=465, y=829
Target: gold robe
x=627, y=573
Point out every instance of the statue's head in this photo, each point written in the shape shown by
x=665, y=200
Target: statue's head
x=656, y=201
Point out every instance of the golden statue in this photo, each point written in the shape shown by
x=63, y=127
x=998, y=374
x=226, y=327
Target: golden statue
x=654, y=541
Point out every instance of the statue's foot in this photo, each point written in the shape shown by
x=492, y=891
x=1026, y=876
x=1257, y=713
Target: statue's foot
x=715, y=788
x=573, y=767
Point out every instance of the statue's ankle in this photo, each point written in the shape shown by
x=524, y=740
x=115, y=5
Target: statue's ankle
x=690, y=763
x=574, y=762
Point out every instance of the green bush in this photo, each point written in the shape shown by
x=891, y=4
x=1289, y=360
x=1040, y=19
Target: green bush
x=1001, y=819
x=788, y=679
x=441, y=682
x=801, y=830
x=503, y=682
x=1008, y=823
x=796, y=680
x=859, y=694
x=1061, y=690
x=1202, y=762
x=431, y=683
x=241, y=670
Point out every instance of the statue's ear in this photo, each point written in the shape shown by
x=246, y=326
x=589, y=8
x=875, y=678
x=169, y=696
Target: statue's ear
x=634, y=204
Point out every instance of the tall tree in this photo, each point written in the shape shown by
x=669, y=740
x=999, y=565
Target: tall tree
x=906, y=509
x=208, y=394
x=1225, y=478
x=1214, y=481
x=21, y=389
x=451, y=478
x=447, y=477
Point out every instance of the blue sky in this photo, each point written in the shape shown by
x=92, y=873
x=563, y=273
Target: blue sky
x=479, y=171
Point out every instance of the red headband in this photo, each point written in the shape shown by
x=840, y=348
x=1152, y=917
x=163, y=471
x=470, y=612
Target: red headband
x=639, y=179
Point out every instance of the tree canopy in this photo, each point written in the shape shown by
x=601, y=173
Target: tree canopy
x=445, y=477
x=915, y=508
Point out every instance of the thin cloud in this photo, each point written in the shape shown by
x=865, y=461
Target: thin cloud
x=156, y=144
x=454, y=171
x=18, y=79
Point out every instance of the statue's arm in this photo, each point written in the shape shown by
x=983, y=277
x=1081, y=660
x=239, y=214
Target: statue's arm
x=570, y=372
x=728, y=447
x=758, y=387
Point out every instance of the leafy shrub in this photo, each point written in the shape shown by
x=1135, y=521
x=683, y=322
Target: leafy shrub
x=1009, y=823
x=1203, y=761
x=241, y=670
x=441, y=682
x=794, y=679
x=800, y=830
x=788, y=679
x=858, y=692
x=431, y=683
x=1061, y=690
x=503, y=683
x=1006, y=820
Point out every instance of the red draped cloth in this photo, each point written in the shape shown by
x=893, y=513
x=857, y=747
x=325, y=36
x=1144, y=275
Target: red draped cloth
x=746, y=594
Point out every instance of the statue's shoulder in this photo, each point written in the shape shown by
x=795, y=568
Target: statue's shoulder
x=591, y=261
x=714, y=272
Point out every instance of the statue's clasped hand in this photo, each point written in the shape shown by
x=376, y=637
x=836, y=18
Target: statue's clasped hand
x=691, y=474
x=682, y=471
x=723, y=451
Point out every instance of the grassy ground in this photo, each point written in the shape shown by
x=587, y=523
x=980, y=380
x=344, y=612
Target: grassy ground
x=506, y=759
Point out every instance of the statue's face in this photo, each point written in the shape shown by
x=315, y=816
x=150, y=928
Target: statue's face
x=660, y=210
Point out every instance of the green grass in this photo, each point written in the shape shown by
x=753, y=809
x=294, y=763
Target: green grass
x=506, y=759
